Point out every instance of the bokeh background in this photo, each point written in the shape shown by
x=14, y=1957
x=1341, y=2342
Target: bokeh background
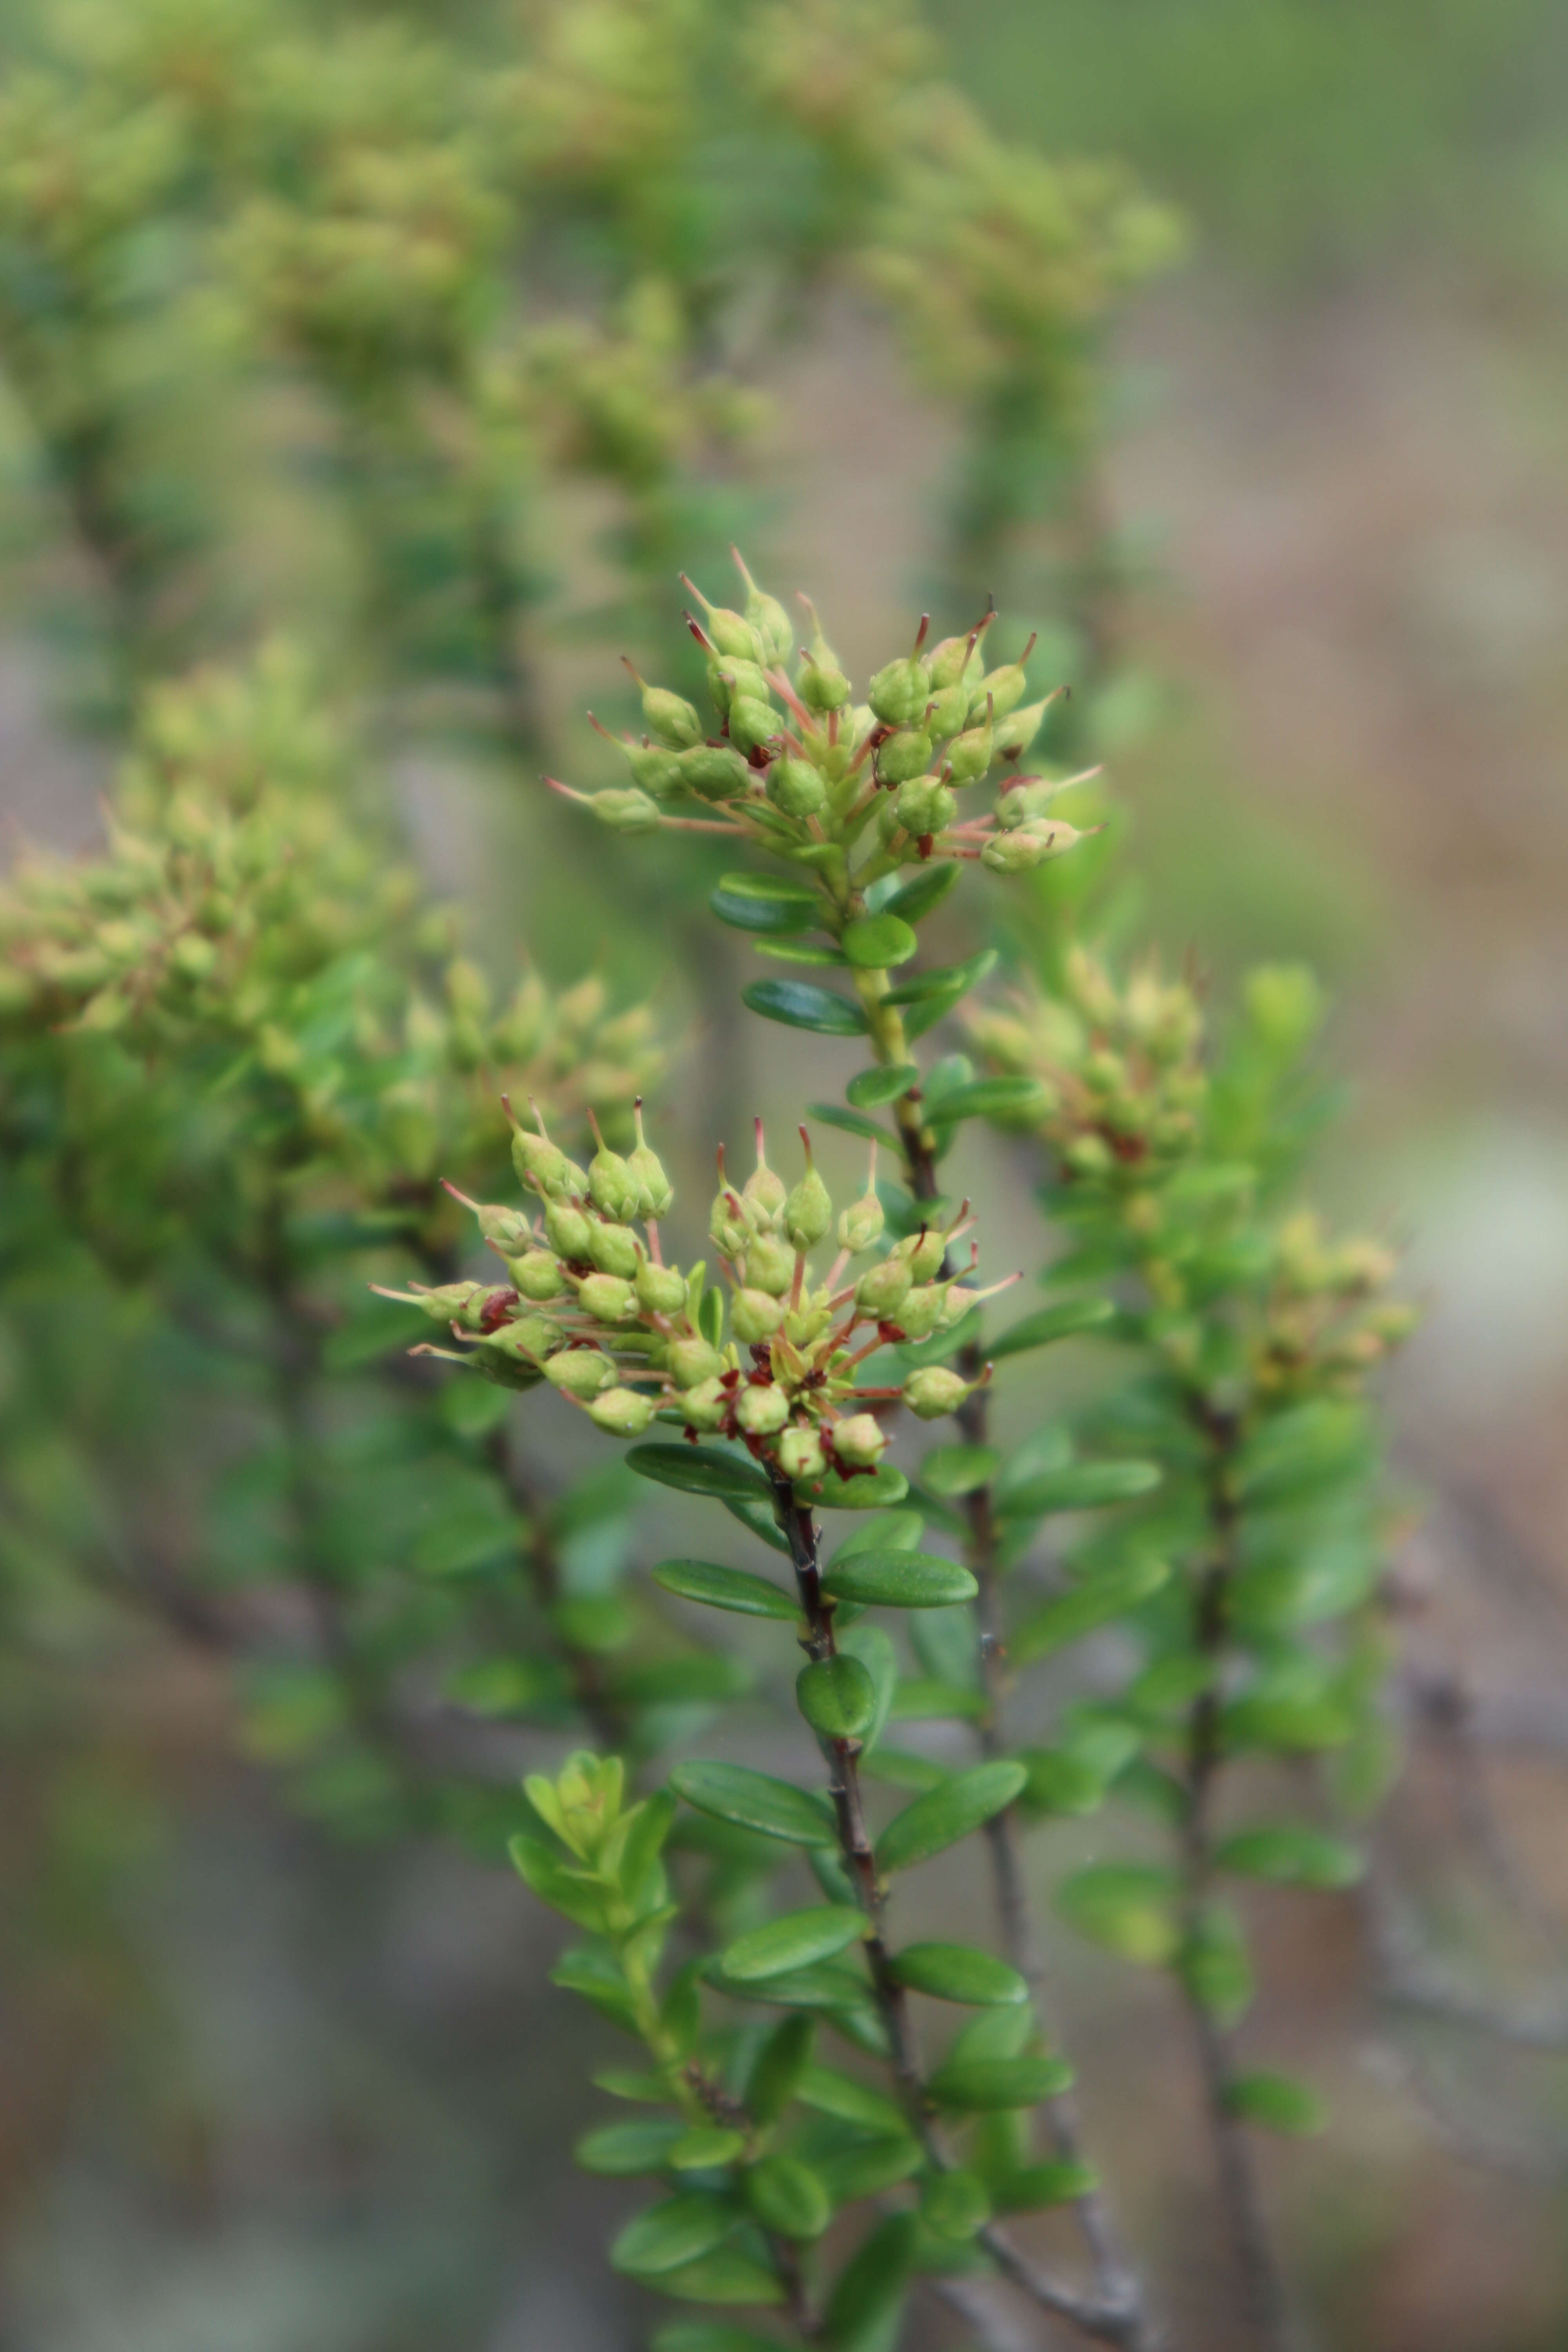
x=271, y=2091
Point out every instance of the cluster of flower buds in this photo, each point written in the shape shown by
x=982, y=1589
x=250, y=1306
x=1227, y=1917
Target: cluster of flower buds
x=794, y=764
x=1328, y=1321
x=591, y=1307
x=1119, y=1067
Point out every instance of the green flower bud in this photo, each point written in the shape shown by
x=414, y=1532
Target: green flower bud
x=714, y=771
x=1090, y=1155
x=614, y=1189
x=795, y=786
x=727, y=631
x=669, y=715
x=613, y=1249
x=947, y=713
x=754, y=1315
x=807, y=1321
x=822, y=684
x=862, y=1220
x=661, y=1288
x=900, y=691
x=923, y=1253
x=920, y=1313
x=705, y=1406
x=728, y=1228
x=534, y=1156
x=969, y=757
x=800, y=1453
x=1032, y=845
x=753, y=724
x=690, y=1362
x=621, y=1412
x=534, y=1336
x=957, y=661
x=934, y=1390
x=508, y=1229
x=1007, y=686
x=771, y=624
x=1015, y=735
x=657, y=771
x=570, y=1233
x=770, y=1263
x=446, y=1303
x=883, y=1290
x=1022, y=802
x=608, y=1298
x=925, y=807
x=762, y=1409
x=730, y=682
x=861, y=1441
x=503, y=1371
x=903, y=755
x=628, y=811
x=537, y=1275
x=808, y=1209
x=581, y=1372
x=655, y=1190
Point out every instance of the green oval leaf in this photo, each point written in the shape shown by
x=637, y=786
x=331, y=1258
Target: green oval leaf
x=710, y=2335
x=798, y=952
x=990, y=1098
x=699, y=1470
x=828, y=2093
x=869, y=1090
x=1096, y=1602
x=868, y=2293
x=798, y=1941
x=1080, y=1486
x=1063, y=1322
x=1039, y=2185
x=799, y=1005
x=867, y=1490
x=878, y=941
x=669, y=2235
x=837, y=1696
x=754, y=1801
x=926, y=889
x=726, y=1588
x=989, y=2086
x=945, y=1815
x=623, y=2150
x=959, y=1469
x=830, y=1985
x=787, y=2196
x=866, y=2170
x=726, y=2275
x=1290, y=1857
x=760, y=902
x=1278, y=2101
x=871, y=1647
x=705, y=2147
x=954, y=2205
x=1128, y=1907
x=951, y=979
x=850, y=1122
x=900, y=1579
x=959, y=1972
x=701, y=1680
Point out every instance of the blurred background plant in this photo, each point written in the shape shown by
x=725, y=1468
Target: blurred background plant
x=438, y=342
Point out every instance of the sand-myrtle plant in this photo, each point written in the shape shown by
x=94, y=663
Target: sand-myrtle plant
x=237, y=1050
x=1173, y=1149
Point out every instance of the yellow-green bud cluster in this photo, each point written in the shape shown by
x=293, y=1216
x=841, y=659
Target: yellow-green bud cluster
x=593, y=1309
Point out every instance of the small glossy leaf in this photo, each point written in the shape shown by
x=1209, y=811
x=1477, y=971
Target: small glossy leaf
x=959, y=1972
x=871, y=1647
x=924, y=890
x=644, y=2090
x=757, y=1518
x=1215, y=1966
x=959, y=1469
x=703, y=1679
x=837, y=1696
x=990, y=1098
x=623, y=2150
x=726, y=2275
x=954, y=2205
x=948, y=981
x=1061, y=1782
x=866, y=2170
x=800, y=1004
x=778, y=2067
x=864, y=1490
x=832, y=1988
x=850, y=1122
x=1080, y=1486
x=828, y=2093
x=787, y=2196
x=867, y=2304
x=705, y=2147
x=983, y=2085
x=667, y=2236
x=760, y=902
x=869, y=1090
x=726, y=1588
x=1097, y=1603
x=798, y=1941
x=754, y=1801
x=1278, y=2101
x=1127, y=1906
x=900, y=1579
x=1063, y=1322
x=699, y=1470
x=798, y=952
x=878, y=941
x=1291, y=1856
x=946, y=1814
x=1039, y=2185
